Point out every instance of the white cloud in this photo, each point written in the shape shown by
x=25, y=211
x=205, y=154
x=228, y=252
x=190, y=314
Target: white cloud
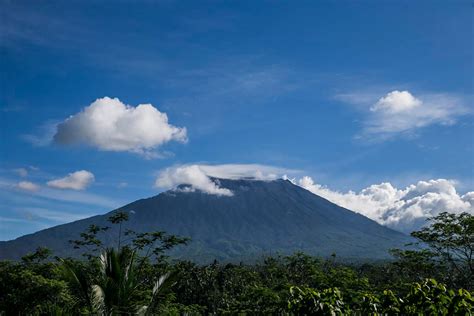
x=192, y=175
x=34, y=213
x=110, y=125
x=27, y=186
x=19, y=206
x=401, y=112
x=469, y=197
x=81, y=197
x=78, y=180
x=9, y=191
x=395, y=118
x=402, y=209
x=198, y=176
x=239, y=171
x=396, y=101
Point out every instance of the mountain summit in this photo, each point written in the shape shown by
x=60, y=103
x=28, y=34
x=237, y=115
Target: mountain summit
x=259, y=218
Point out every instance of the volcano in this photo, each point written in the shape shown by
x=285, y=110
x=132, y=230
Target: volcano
x=260, y=218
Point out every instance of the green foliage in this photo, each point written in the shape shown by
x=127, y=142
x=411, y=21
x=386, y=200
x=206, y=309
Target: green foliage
x=426, y=298
x=137, y=278
x=432, y=298
x=308, y=301
x=117, y=288
x=24, y=291
x=118, y=217
x=79, y=278
x=119, y=283
x=450, y=238
x=147, y=243
x=89, y=241
x=41, y=254
x=416, y=265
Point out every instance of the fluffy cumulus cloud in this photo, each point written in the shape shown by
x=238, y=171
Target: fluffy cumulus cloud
x=78, y=180
x=199, y=176
x=27, y=186
x=402, y=209
x=401, y=112
x=396, y=101
x=110, y=125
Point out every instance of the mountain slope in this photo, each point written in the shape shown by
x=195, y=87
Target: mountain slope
x=262, y=217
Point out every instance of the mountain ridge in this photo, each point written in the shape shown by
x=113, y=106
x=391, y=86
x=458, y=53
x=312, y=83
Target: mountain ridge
x=260, y=218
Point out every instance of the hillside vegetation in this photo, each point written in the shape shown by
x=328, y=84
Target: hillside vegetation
x=136, y=278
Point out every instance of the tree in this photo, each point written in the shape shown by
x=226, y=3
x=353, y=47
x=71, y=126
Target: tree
x=41, y=254
x=147, y=244
x=118, y=218
x=117, y=289
x=119, y=286
x=417, y=265
x=24, y=291
x=450, y=237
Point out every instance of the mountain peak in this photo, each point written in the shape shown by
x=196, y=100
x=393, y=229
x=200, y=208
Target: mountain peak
x=260, y=217
x=237, y=185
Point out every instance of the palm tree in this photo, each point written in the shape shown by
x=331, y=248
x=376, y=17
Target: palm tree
x=117, y=285
x=80, y=282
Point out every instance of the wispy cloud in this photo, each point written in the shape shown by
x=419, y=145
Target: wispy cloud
x=43, y=135
x=34, y=23
x=36, y=213
x=22, y=172
x=41, y=193
x=79, y=197
x=245, y=74
x=198, y=176
x=4, y=219
x=403, y=113
x=78, y=180
x=44, y=207
x=28, y=186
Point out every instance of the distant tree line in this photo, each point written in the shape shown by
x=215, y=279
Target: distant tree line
x=137, y=278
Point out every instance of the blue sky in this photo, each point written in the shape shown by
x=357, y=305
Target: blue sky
x=299, y=88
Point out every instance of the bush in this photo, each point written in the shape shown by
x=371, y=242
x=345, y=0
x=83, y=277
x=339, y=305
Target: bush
x=427, y=298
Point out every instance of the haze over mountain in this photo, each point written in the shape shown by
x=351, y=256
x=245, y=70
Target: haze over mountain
x=257, y=218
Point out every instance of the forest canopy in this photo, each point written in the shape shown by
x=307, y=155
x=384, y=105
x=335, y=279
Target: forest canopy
x=434, y=277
